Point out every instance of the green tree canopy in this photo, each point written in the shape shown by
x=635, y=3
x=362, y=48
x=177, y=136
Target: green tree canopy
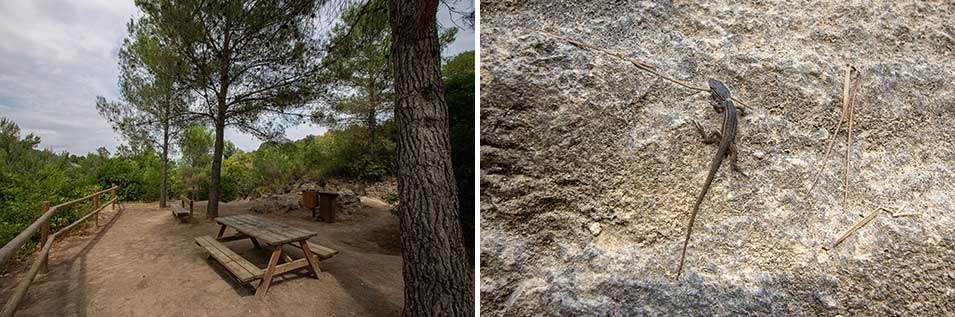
x=248, y=62
x=196, y=147
x=153, y=106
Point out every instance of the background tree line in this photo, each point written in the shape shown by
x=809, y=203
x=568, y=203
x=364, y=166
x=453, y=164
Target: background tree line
x=29, y=175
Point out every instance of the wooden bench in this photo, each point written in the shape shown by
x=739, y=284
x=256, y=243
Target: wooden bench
x=180, y=212
x=243, y=270
x=322, y=252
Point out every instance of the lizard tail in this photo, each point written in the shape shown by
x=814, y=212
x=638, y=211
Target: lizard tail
x=715, y=165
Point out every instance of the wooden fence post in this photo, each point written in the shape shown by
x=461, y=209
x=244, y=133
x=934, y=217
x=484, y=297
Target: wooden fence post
x=113, y=196
x=45, y=233
x=95, y=212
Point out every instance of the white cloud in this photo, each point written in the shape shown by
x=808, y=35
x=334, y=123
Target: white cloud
x=57, y=56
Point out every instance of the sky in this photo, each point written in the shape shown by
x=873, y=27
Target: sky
x=57, y=56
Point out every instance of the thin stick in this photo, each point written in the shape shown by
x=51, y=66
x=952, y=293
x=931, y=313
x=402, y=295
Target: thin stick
x=856, y=227
x=641, y=65
x=901, y=211
x=897, y=212
x=852, y=107
x=906, y=214
x=832, y=139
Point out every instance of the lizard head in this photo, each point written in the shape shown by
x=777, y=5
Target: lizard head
x=718, y=94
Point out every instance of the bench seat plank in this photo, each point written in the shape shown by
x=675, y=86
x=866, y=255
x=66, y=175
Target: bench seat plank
x=322, y=252
x=179, y=211
x=242, y=269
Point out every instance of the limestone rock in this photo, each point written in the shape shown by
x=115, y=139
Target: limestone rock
x=347, y=201
x=571, y=137
x=276, y=203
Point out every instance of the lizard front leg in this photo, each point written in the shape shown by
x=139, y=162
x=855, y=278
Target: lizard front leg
x=713, y=137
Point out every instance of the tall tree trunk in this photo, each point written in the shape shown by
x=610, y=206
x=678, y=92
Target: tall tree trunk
x=372, y=122
x=438, y=280
x=212, y=209
x=165, y=161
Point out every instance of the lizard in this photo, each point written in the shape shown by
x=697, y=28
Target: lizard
x=723, y=103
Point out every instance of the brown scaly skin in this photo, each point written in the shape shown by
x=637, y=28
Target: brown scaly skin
x=722, y=103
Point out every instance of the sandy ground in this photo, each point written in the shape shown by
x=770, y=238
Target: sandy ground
x=144, y=262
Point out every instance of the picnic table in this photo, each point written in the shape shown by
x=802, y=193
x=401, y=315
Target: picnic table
x=274, y=235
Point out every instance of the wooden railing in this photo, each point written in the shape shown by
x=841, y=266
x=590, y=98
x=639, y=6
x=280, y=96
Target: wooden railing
x=46, y=241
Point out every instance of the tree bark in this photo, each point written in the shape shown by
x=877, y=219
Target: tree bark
x=372, y=122
x=212, y=210
x=165, y=160
x=438, y=280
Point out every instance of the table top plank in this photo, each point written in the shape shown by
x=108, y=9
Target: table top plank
x=269, y=230
x=274, y=229
x=261, y=230
x=264, y=230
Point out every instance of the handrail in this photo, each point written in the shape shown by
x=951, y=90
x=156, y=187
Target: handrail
x=11, y=247
x=47, y=242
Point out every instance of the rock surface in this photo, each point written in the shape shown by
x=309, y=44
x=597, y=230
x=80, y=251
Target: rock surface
x=348, y=200
x=571, y=138
x=277, y=203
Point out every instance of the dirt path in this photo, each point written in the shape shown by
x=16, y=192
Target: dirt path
x=146, y=263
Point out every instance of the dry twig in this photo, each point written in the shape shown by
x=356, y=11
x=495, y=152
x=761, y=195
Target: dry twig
x=899, y=212
x=832, y=139
x=641, y=65
x=852, y=107
x=855, y=227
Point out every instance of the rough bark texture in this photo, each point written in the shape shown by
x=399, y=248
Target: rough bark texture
x=165, y=161
x=212, y=210
x=372, y=123
x=589, y=166
x=438, y=281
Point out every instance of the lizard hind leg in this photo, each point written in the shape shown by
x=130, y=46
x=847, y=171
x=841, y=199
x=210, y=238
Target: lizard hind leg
x=714, y=137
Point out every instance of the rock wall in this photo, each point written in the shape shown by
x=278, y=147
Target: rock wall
x=589, y=166
x=347, y=201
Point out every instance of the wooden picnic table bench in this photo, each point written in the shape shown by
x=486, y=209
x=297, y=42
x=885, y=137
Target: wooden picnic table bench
x=179, y=211
x=273, y=235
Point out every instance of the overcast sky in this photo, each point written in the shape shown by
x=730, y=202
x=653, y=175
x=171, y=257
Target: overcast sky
x=57, y=56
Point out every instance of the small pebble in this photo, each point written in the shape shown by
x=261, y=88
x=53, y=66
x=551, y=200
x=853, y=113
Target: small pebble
x=595, y=228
